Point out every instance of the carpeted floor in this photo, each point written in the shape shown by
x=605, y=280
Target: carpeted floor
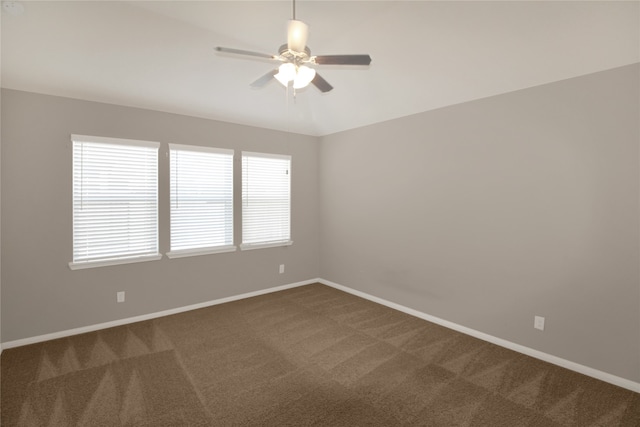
x=311, y=355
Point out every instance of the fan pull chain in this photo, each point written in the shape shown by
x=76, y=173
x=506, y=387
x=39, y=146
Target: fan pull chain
x=287, y=111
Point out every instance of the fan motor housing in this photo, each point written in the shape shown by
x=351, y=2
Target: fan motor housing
x=293, y=56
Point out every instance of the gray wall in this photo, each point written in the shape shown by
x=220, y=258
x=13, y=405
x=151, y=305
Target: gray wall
x=490, y=212
x=40, y=294
x=484, y=214
x=0, y=233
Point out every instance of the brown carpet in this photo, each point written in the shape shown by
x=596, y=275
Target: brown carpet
x=311, y=355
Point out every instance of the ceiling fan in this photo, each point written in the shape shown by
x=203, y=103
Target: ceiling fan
x=296, y=59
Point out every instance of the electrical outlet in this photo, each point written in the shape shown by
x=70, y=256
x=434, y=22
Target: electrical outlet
x=281, y=268
x=538, y=322
x=120, y=296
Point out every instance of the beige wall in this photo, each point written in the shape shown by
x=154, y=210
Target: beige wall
x=42, y=295
x=490, y=212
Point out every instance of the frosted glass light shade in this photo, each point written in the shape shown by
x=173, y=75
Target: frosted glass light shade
x=286, y=73
x=304, y=77
x=297, y=33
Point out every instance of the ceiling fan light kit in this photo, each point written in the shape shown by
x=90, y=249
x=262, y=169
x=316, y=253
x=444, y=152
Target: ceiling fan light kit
x=301, y=76
x=304, y=77
x=296, y=60
x=286, y=73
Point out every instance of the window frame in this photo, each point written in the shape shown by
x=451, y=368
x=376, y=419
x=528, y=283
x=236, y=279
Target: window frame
x=204, y=250
x=77, y=264
x=270, y=243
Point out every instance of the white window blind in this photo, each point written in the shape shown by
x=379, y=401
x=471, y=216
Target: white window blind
x=201, y=200
x=115, y=201
x=266, y=200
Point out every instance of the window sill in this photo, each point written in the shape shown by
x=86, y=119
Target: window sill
x=202, y=251
x=118, y=261
x=251, y=246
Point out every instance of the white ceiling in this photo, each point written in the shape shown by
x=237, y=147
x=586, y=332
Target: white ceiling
x=426, y=54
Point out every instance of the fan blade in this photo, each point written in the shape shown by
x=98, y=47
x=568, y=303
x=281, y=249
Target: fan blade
x=297, y=34
x=321, y=83
x=264, y=79
x=342, y=60
x=245, y=52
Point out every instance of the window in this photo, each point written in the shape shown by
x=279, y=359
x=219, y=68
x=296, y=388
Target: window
x=201, y=200
x=115, y=201
x=266, y=200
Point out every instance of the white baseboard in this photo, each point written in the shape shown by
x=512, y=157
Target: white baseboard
x=120, y=322
x=585, y=370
